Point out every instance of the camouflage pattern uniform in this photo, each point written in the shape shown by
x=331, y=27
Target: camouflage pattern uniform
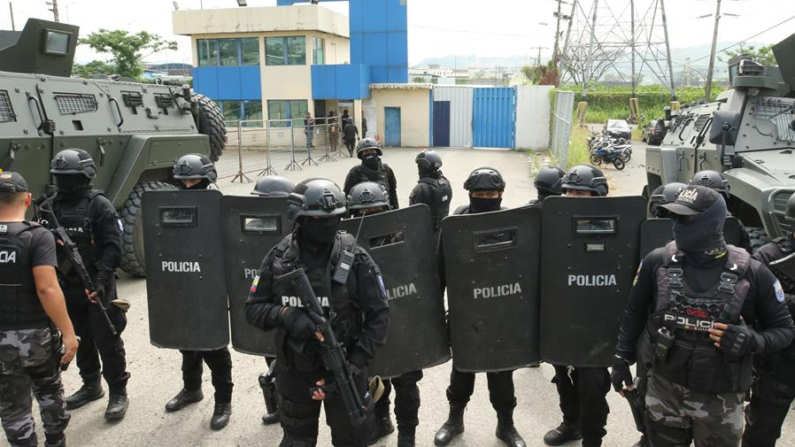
x=28, y=359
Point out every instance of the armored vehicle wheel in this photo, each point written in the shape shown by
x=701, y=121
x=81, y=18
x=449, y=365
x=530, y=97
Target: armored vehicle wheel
x=758, y=237
x=619, y=164
x=210, y=121
x=132, y=246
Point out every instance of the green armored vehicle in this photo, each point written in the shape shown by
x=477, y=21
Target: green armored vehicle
x=133, y=131
x=748, y=134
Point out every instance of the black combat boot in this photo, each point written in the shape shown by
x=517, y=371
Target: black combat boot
x=453, y=427
x=221, y=415
x=183, y=399
x=117, y=405
x=406, y=436
x=643, y=442
x=592, y=442
x=563, y=434
x=381, y=426
x=90, y=391
x=506, y=431
x=270, y=418
x=55, y=440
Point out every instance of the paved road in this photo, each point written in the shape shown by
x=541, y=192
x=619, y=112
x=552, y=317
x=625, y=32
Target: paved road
x=156, y=372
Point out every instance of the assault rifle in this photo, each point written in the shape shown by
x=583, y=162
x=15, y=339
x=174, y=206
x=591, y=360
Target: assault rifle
x=74, y=256
x=637, y=405
x=333, y=352
x=267, y=381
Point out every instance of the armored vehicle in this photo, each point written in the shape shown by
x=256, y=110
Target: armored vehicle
x=748, y=134
x=133, y=131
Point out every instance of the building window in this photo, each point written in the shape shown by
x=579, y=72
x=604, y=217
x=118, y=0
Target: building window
x=318, y=51
x=235, y=111
x=285, y=50
x=252, y=110
x=208, y=52
x=286, y=110
x=232, y=112
x=228, y=52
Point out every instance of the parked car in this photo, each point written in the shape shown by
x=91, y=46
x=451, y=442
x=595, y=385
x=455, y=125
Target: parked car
x=654, y=132
x=618, y=129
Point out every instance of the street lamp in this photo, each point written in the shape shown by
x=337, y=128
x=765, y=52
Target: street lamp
x=241, y=3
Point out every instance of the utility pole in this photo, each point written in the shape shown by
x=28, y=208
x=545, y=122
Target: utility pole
x=711, y=68
x=556, y=52
x=632, y=43
x=668, y=49
x=566, y=42
x=11, y=10
x=589, y=61
x=54, y=4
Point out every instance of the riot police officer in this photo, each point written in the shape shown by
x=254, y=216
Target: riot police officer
x=705, y=308
x=358, y=301
x=433, y=188
x=548, y=182
x=93, y=225
x=660, y=196
x=372, y=170
x=718, y=183
x=271, y=186
x=197, y=172
x=485, y=186
x=774, y=388
x=582, y=390
x=30, y=298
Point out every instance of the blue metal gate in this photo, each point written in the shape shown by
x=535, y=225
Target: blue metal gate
x=441, y=123
x=494, y=117
x=392, y=126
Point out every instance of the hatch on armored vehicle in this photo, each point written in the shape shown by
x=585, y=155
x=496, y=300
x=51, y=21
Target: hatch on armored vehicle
x=134, y=131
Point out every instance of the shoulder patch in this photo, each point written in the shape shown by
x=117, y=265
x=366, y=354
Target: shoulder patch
x=254, y=285
x=637, y=273
x=381, y=284
x=779, y=291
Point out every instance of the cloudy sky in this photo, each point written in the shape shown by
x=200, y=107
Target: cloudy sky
x=498, y=28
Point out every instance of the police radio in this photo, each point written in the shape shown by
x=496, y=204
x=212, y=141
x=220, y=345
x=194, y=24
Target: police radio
x=345, y=262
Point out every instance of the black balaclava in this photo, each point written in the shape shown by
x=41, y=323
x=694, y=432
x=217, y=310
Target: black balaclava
x=426, y=172
x=701, y=239
x=371, y=161
x=318, y=232
x=72, y=187
x=479, y=205
x=203, y=184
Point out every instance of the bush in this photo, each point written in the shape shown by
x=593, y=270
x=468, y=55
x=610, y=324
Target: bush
x=579, y=154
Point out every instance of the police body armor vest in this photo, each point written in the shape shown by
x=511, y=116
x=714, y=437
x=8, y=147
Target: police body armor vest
x=693, y=360
x=380, y=175
x=75, y=218
x=344, y=314
x=20, y=307
x=441, y=198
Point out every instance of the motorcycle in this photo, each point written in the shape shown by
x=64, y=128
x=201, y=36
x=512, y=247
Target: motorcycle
x=608, y=155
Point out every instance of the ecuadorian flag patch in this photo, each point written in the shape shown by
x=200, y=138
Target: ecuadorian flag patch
x=254, y=285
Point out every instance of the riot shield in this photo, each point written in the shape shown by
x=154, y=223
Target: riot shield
x=656, y=233
x=401, y=242
x=251, y=227
x=589, y=258
x=185, y=270
x=491, y=268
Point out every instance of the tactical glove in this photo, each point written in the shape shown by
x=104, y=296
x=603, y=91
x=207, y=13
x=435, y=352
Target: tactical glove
x=738, y=340
x=621, y=376
x=298, y=323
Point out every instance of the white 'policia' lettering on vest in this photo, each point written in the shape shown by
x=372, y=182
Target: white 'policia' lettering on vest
x=497, y=291
x=592, y=280
x=250, y=273
x=181, y=267
x=401, y=291
x=8, y=257
x=294, y=301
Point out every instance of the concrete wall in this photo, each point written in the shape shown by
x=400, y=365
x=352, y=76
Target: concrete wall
x=257, y=20
x=532, y=117
x=415, y=119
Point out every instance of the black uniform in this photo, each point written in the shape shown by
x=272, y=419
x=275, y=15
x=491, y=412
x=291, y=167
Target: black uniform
x=774, y=388
x=92, y=223
x=433, y=190
x=383, y=175
x=349, y=134
x=362, y=317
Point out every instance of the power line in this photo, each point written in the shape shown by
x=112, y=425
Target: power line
x=484, y=33
x=749, y=38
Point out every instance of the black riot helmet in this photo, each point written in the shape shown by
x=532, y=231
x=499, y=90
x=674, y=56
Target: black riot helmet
x=73, y=162
x=428, y=161
x=713, y=180
x=548, y=181
x=663, y=195
x=368, y=143
x=195, y=167
x=316, y=197
x=273, y=186
x=368, y=195
x=789, y=213
x=585, y=178
x=484, y=179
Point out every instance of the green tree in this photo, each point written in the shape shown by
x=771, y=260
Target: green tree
x=128, y=50
x=92, y=69
x=761, y=55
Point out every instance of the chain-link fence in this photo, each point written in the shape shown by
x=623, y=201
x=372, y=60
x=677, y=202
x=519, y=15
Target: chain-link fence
x=260, y=147
x=561, y=127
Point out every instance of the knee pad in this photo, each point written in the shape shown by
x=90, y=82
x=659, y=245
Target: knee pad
x=300, y=421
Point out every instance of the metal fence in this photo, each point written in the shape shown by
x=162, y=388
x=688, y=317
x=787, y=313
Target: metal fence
x=561, y=127
x=266, y=147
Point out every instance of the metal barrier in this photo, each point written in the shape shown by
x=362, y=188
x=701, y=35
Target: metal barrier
x=259, y=146
x=561, y=129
